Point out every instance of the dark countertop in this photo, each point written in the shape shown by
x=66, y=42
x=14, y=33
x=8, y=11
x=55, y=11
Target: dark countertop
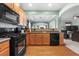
x=4, y=39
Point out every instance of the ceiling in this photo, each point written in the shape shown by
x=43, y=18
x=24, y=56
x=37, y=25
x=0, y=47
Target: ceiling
x=68, y=16
x=42, y=12
x=70, y=13
x=43, y=6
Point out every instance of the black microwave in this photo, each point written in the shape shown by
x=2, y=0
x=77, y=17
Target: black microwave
x=7, y=15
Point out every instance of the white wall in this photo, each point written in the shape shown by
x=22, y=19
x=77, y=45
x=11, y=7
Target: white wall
x=54, y=23
x=63, y=25
x=74, y=22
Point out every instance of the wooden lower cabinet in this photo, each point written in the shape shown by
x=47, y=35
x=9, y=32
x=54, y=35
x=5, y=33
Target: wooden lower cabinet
x=32, y=40
x=27, y=39
x=4, y=48
x=61, y=39
x=5, y=52
x=46, y=39
x=39, y=39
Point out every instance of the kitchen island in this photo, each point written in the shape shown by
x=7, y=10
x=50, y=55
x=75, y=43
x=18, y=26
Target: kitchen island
x=43, y=38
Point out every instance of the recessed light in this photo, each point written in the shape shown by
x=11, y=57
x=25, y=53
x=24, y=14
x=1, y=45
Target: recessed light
x=49, y=4
x=75, y=17
x=30, y=4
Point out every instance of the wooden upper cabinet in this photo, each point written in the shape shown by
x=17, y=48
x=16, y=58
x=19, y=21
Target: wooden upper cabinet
x=10, y=5
x=21, y=20
x=18, y=10
x=13, y=7
x=25, y=19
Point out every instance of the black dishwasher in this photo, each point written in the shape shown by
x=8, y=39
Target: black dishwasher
x=54, y=39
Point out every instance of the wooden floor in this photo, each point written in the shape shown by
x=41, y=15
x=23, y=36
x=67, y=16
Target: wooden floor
x=49, y=51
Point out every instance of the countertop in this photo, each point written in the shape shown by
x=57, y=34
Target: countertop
x=43, y=32
x=4, y=39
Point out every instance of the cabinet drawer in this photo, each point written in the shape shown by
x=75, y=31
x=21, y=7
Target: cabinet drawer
x=5, y=52
x=4, y=45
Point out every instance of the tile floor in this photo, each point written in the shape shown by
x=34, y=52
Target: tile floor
x=74, y=46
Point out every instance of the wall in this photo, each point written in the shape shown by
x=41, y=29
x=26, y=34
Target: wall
x=74, y=22
x=54, y=23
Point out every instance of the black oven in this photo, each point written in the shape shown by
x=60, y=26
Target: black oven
x=17, y=45
x=20, y=46
x=18, y=42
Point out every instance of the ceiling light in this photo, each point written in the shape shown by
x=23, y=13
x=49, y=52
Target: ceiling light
x=75, y=17
x=49, y=4
x=30, y=4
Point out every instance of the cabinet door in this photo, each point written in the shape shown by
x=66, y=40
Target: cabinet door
x=21, y=18
x=21, y=14
x=27, y=38
x=10, y=5
x=24, y=18
x=4, y=45
x=38, y=39
x=16, y=8
x=5, y=52
x=45, y=39
x=4, y=48
x=61, y=39
x=32, y=39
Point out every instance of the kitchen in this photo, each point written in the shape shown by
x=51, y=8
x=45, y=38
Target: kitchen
x=24, y=28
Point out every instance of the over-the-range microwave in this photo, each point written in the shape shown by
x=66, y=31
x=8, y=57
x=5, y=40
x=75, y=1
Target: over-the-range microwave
x=7, y=15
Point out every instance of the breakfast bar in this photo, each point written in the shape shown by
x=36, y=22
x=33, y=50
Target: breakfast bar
x=44, y=38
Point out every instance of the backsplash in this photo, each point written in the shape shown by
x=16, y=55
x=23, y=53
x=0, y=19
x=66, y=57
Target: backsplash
x=5, y=25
